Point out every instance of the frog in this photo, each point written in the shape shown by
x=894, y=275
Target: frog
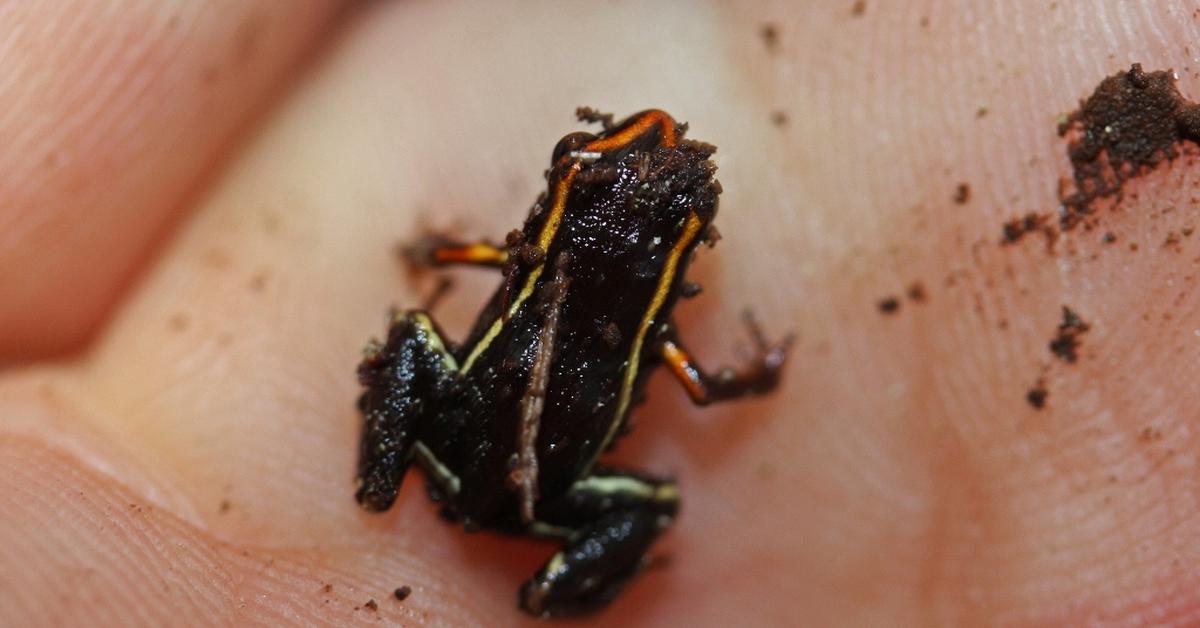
x=509, y=425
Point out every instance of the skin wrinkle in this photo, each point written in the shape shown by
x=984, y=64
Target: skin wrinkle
x=899, y=477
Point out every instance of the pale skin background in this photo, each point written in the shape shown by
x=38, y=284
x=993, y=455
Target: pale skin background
x=198, y=204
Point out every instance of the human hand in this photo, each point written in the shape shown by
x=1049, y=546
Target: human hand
x=204, y=255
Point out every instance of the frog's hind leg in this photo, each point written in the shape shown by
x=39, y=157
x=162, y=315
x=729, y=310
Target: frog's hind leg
x=401, y=376
x=607, y=522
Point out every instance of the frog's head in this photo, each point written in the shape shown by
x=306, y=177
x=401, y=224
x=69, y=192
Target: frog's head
x=637, y=192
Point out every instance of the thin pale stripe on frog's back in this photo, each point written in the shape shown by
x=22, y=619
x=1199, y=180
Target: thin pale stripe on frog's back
x=690, y=230
x=554, y=220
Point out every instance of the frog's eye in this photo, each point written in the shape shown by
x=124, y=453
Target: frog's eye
x=571, y=143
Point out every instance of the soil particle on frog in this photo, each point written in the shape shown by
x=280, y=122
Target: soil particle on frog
x=889, y=305
x=402, y=593
x=1065, y=344
x=1132, y=122
x=611, y=334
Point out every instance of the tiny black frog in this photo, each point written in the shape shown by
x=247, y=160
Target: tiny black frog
x=508, y=424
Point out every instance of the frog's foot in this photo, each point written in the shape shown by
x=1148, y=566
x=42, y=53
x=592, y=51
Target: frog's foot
x=759, y=375
x=608, y=520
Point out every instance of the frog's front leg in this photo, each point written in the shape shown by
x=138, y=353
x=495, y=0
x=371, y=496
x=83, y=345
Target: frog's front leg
x=607, y=521
x=437, y=250
x=759, y=376
x=403, y=378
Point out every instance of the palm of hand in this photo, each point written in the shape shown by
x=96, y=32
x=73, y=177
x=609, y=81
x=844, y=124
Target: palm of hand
x=194, y=459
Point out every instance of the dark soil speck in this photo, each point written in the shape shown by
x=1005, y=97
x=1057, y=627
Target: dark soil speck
x=962, y=193
x=769, y=33
x=916, y=292
x=1036, y=396
x=1031, y=222
x=1065, y=344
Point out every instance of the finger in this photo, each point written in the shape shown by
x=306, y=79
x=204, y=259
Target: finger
x=80, y=548
x=113, y=114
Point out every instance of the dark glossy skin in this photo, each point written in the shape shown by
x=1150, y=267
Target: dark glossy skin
x=509, y=424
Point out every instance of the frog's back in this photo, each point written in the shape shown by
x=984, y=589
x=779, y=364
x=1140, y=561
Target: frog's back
x=620, y=231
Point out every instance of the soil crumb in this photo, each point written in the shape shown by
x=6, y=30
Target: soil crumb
x=1171, y=241
x=1065, y=344
x=1132, y=122
x=769, y=33
x=962, y=193
x=1036, y=396
x=889, y=305
x=1017, y=228
x=916, y=292
x=403, y=592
